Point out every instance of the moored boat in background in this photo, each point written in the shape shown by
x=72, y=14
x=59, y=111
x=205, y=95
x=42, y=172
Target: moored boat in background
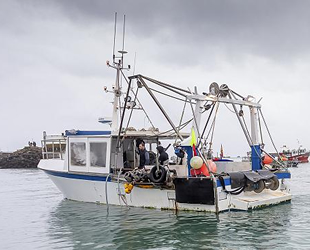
x=301, y=155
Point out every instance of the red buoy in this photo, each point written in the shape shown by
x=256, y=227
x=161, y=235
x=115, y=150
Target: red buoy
x=204, y=170
x=267, y=160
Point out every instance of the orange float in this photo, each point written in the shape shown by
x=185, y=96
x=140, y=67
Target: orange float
x=267, y=160
x=283, y=158
x=204, y=170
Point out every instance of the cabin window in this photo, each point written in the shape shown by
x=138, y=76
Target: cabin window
x=98, y=152
x=78, y=153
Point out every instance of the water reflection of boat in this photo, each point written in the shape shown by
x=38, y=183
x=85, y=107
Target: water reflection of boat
x=75, y=225
x=104, y=167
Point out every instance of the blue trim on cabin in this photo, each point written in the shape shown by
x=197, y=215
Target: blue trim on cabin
x=189, y=152
x=77, y=176
x=84, y=132
x=281, y=175
x=256, y=157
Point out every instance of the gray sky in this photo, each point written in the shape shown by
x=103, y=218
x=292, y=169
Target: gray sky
x=53, y=56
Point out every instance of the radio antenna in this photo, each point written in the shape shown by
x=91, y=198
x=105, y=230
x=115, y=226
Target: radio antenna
x=123, y=38
x=115, y=20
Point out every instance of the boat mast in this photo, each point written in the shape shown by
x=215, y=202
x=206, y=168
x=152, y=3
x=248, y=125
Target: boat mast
x=117, y=93
x=197, y=115
x=255, y=147
x=118, y=62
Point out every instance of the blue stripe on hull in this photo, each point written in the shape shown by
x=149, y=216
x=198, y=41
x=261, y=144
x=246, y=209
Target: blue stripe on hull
x=78, y=176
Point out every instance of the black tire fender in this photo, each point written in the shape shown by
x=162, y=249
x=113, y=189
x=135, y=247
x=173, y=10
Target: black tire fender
x=259, y=186
x=158, y=176
x=275, y=183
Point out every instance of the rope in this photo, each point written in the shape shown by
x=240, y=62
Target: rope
x=214, y=122
x=106, y=191
x=260, y=129
x=269, y=132
x=229, y=109
x=123, y=197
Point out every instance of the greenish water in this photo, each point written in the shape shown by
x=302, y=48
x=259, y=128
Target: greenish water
x=33, y=215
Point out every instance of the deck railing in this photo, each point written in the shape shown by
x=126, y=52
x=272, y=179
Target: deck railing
x=53, y=148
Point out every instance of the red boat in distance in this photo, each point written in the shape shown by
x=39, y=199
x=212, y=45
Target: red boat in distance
x=301, y=154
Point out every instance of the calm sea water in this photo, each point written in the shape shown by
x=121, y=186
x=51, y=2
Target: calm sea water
x=34, y=215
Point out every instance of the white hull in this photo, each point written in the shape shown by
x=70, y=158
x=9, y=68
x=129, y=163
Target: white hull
x=102, y=191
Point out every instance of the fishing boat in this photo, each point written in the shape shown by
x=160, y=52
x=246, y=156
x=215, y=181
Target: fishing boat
x=300, y=155
x=107, y=167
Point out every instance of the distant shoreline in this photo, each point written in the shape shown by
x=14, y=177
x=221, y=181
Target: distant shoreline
x=28, y=157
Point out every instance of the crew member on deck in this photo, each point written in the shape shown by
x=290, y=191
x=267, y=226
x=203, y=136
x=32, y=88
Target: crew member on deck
x=163, y=156
x=144, y=156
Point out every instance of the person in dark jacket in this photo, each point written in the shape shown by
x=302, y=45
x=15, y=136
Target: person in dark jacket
x=163, y=156
x=144, y=155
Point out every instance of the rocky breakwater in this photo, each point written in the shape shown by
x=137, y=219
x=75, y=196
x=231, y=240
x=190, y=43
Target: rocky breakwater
x=28, y=157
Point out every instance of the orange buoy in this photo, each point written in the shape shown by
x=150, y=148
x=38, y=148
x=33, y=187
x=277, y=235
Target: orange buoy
x=212, y=167
x=204, y=170
x=195, y=172
x=267, y=160
x=283, y=158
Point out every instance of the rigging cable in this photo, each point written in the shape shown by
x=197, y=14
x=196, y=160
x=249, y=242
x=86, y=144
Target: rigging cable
x=171, y=96
x=245, y=130
x=229, y=108
x=181, y=119
x=269, y=133
x=194, y=117
x=131, y=111
x=180, y=127
x=260, y=129
x=205, y=127
x=106, y=191
x=139, y=101
x=213, y=126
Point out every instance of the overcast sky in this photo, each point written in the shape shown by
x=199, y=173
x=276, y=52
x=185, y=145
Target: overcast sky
x=53, y=56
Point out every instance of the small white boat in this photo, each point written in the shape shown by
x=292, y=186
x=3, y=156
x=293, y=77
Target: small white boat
x=103, y=166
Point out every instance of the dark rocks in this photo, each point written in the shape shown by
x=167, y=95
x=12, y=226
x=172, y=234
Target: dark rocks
x=28, y=157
